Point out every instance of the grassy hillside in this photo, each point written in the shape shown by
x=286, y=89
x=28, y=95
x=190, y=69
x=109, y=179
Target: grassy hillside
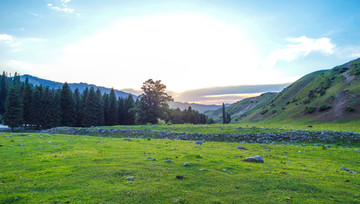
x=322, y=96
x=242, y=108
x=55, y=168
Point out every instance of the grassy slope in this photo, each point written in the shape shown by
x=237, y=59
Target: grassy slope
x=327, y=87
x=242, y=108
x=84, y=169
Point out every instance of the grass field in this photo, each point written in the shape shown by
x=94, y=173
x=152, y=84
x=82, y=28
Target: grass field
x=44, y=168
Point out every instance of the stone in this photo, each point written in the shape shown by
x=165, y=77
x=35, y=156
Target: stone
x=344, y=168
x=179, y=176
x=154, y=159
x=129, y=178
x=353, y=172
x=149, y=157
x=40, y=147
x=175, y=200
x=327, y=146
x=21, y=144
x=241, y=147
x=257, y=159
x=198, y=142
x=187, y=164
x=168, y=160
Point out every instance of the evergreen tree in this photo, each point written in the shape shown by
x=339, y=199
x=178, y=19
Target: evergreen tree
x=130, y=114
x=83, y=108
x=121, y=111
x=27, y=102
x=13, y=117
x=223, y=114
x=4, y=88
x=113, y=109
x=77, y=101
x=106, y=109
x=67, y=105
x=46, y=111
x=36, y=107
x=100, y=107
x=55, y=109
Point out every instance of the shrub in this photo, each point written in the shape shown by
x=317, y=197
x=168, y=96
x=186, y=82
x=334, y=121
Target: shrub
x=264, y=111
x=309, y=109
x=349, y=109
x=324, y=108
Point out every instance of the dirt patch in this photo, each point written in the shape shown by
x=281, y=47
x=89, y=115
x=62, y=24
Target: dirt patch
x=348, y=77
x=340, y=102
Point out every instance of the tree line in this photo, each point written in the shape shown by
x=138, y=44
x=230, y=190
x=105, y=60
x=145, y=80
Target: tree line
x=25, y=105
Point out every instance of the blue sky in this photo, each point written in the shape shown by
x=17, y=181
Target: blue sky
x=187, y=44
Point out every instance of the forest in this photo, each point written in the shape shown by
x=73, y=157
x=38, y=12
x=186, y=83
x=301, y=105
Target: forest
x=25, y=105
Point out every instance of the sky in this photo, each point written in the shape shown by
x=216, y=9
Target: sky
x=189, y=45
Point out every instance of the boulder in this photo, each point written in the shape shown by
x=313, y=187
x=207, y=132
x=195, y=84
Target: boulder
x=257, y=159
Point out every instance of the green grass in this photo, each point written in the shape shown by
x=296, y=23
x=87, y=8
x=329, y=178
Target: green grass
x=92, y=169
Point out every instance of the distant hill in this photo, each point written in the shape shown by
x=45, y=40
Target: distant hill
x=199, y=107
x=242, y=108
x=321, y=96
x=82, y=86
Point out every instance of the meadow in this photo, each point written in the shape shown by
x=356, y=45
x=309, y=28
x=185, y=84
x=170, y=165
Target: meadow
x=60, y=168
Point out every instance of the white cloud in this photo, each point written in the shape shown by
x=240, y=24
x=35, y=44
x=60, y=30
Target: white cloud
x=63, y=7
x=6, y=38
x=300, y=47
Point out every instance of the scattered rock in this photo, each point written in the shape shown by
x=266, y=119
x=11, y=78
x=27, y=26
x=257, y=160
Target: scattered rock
x=186, y=164
x=175, y=200
x=179, y=176
x=149, y=157
x=21, y=145
x=241, y=147
x=344, y=168
x=129, y=178
x=358, y=150
x=223, y=169
x=154, y=159
x=288, y=161
x=353, y=172
x=257, y=158
x=198, y=142
x=40, y=147
x=168, y=160
x=327, y=146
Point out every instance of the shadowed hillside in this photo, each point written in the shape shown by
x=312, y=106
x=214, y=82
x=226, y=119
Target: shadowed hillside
x=321, y=96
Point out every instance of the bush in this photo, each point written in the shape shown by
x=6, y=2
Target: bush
x=264, y=112
x=349, y=109
x=324, y=108
x=309, y=109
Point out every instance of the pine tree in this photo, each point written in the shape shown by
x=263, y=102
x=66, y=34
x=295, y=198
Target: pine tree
x=77, y=101
x=13, y=117
x=4, y=88
x=223, y=114
x=113, y=109
x=130, y=114
x=27, y=102
x=106, y=108
x=121, y=111
x=46, y=112
x=37, y=107
x=67, y=105
x=83, y=108
x=100, y=108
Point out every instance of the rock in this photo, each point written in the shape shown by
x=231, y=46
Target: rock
x=175, y=200
x=21, y=144
x=327, y=146
x=149, y=157
x=257, y=158
x=353, y=172
x=198, y=142
x=259, y=140
x=129, y=178
x=16, y=198
x=223, y=169
x=154, y=159
x=241, y=147
x=186, y=164
x=168, y=160
x=40, y=147
x=299, y=151
x=344, y=168
x=288, y=161
x=179, y=176
x=358, y=150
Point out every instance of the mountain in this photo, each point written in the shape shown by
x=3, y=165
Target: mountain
x=321, y=96
x=82, y=86
x=242, y=108
x=195, y=106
